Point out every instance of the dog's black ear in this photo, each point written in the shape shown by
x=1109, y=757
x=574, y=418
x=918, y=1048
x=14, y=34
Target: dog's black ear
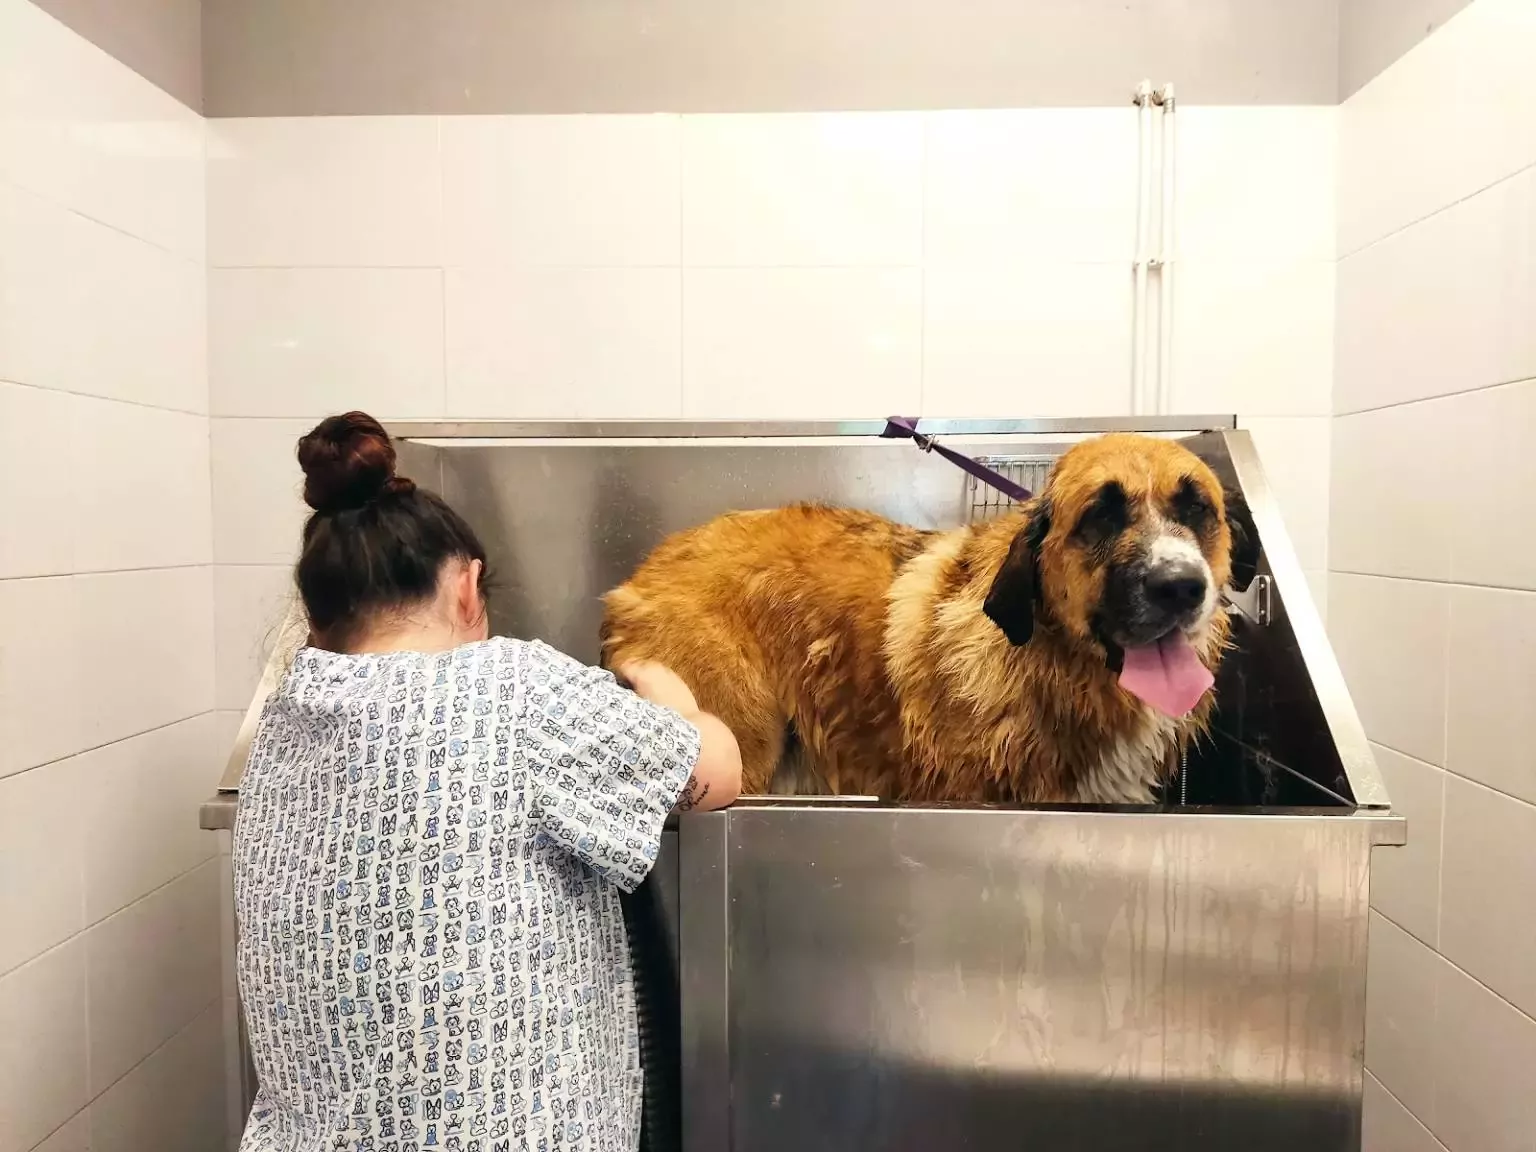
x=1245, y=540
x=1015, y=591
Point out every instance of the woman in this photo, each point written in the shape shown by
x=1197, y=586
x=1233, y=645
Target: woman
x=431, y=832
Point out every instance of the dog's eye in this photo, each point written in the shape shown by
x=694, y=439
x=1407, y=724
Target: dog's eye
x=1191, y=508
x=1105, y=518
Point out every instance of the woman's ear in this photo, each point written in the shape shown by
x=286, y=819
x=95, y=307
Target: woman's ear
x=468, y=602
x=1015, y=592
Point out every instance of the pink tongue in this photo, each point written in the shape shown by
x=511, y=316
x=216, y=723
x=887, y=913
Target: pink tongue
x=1167, y=675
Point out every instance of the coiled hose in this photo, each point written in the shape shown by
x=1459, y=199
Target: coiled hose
x=656, y=1008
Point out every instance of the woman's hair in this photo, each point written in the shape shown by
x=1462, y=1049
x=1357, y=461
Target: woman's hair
x=376, y=544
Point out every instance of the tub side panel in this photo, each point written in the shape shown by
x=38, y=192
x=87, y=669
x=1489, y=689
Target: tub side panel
x=981, y=980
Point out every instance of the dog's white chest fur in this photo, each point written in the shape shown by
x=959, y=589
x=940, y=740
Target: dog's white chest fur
x=1130, y=768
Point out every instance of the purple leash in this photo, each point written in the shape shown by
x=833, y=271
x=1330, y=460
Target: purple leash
x=905, y=428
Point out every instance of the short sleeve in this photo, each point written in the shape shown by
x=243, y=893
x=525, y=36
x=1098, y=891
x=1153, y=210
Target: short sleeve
x=607, y=767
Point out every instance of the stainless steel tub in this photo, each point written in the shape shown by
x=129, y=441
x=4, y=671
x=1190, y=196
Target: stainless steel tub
x=843, y=974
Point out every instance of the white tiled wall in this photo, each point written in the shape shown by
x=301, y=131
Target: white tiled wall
x=570, y=215
x=685, y=246
x=947, y=263
x=109, y=994
x=774, y=342
x=1433, y=596
x=1052, y=339
x=363, y=192
x=817, y=265
x=283, y=340
x=563, y=341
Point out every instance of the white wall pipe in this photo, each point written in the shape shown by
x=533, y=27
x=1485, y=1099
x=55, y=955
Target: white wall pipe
x=1144, y=187
x=1167, y=160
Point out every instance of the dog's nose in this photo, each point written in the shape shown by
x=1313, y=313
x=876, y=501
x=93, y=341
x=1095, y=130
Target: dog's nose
x=1177, y=589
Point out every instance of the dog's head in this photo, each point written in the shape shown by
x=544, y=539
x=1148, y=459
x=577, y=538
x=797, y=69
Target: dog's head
x=1131, y=541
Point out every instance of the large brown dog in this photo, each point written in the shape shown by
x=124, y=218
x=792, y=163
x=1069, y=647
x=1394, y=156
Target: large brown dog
x=853, y=655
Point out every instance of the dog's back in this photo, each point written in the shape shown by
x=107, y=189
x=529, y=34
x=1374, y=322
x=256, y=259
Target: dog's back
x=776, y=620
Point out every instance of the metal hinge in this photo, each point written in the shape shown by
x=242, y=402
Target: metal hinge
x=1257, y=603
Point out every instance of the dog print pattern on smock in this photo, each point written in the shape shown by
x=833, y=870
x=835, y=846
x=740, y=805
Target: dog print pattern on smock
x=431, y=949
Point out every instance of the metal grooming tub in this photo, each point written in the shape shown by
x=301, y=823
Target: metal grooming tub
x=839, y=974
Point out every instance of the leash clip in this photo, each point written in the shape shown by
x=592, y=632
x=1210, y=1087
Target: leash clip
x=905, y=428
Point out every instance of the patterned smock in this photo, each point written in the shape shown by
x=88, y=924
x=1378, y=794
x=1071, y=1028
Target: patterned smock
x=432, y=953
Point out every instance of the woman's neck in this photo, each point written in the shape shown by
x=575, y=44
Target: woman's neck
x=410, y=636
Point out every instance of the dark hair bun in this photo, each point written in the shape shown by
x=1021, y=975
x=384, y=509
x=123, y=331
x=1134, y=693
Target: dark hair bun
x=348, y=462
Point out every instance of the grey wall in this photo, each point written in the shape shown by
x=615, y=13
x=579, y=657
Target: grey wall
x=161, y=40
x=1374, y=33
x=311, y=57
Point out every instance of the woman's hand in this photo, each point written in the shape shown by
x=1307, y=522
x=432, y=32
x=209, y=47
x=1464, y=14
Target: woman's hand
x=658, y=684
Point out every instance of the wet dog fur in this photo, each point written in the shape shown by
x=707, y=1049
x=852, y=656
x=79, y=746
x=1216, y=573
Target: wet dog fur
x=854, y=655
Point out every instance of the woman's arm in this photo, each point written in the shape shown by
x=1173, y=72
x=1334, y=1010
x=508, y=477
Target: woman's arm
x=716, y=779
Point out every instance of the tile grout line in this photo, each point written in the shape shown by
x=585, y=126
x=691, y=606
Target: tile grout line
x=187, y=719
x=1316, y=417
x=1445, y=745
x=442, y=316
x=682, y=269
x=89, y=928
x=213, y=571
x=57, y=391
x=1400, y=229
x=1463, y=584
x=213, y=579
x=1434, y=1007
x=1382, y=1084
x=1419, y=760
x=85, y=998
x=1439, y=955
x=1450, y=772
x=1473, y=391
x=442, y=269
x=91, y=572
x=42, y=197
x=506, y=266
x=307, y=419
x=924, y=198
x=1440, y=864
x=216, y=1002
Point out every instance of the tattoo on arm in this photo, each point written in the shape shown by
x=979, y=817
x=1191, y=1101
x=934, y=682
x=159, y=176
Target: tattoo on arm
x=693, y=795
